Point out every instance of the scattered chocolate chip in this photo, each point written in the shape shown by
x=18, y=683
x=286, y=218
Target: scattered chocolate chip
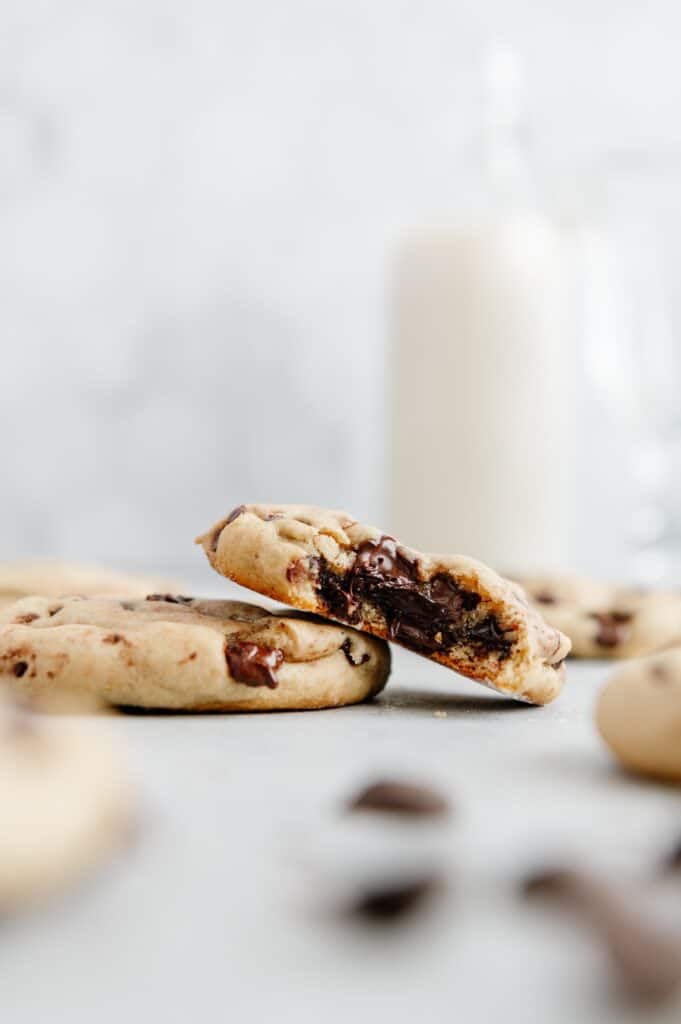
x=545, y=597
x=130, y=606
x=170, y=598
x=613, y=627
x=20, y=668
x=346, y=648
x=405, y=798
x=26, y=618
x=252, y=664
x=399, y=899
x=672, y=862
x=57, y=608
x=647, y=960
x=552, y=883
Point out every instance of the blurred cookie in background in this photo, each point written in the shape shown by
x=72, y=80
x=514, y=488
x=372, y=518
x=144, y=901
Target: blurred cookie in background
x=65, y=805
x=604, y=620
x=54, y=579
x=639, y=715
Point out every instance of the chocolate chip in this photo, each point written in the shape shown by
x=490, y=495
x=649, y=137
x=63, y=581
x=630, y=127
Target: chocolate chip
x=297, y=571
x=390, y=902
x=648, y=961
x=28, y=617
x=382, y=557
x=252, y=664
x=234, y=514
x=346, y=648
x=170, y=598
x=404, y=798
x=20, y=668
x=672, y=861
x=547, y=884
x=545, y=597
x=613, y=627
x=58, y=607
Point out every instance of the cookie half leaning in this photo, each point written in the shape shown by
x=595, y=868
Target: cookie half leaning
x=178, y=652
x=448, y=607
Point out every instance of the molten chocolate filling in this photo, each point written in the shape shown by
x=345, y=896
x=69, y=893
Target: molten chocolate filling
x=425, y=616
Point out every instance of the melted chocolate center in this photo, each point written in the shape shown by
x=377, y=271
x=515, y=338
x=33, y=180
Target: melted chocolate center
x=425, y=616
x=253, y=665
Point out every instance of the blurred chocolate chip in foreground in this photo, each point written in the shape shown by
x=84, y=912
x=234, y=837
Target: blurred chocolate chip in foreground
x=671, y=864
x=646, y=958
x=389, y=902
x=406, y=799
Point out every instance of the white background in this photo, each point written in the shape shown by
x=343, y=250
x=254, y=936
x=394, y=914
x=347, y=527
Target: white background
x=198, y=205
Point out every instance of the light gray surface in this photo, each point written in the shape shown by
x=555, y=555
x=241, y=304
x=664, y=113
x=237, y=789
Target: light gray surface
x=222, y=908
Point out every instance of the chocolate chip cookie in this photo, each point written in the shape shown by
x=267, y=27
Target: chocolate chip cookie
x=447, y=607
x=639, y=714
x=604, y=620
x=176, y=652
x=50, y=579
x=65, y=805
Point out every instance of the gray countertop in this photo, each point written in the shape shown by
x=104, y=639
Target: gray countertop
x=226, y=903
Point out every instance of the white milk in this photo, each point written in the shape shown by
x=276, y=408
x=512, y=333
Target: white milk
x=482, y=414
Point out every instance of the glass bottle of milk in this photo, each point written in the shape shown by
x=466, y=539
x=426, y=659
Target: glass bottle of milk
x=482, y=406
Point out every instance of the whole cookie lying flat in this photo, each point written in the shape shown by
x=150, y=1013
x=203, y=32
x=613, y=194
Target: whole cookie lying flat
x=449, y=608
x=639, y=714
x=607, y=621
x=64, y=805
x=50, y=579
x=183, y=653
